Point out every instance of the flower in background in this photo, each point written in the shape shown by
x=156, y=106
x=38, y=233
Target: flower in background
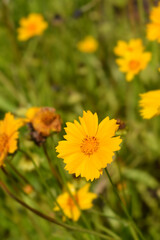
x=30, y=26
x=43, y=121
x=150, y=104
x=88, y=45
x=153, y=28
x=82, y=197
x=133, y=63
x=132, y=59
x=124, y=48
x=89, y=147
x=8, y=135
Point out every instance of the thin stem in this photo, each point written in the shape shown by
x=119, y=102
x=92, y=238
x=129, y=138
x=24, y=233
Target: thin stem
x=141, y=11
x=43, y=182
x=123, y=206
x=122, y=181
x=51, y=219
x=55, y=174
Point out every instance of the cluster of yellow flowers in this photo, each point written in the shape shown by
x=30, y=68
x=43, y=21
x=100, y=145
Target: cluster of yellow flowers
x=34, y=25
x=132, y=59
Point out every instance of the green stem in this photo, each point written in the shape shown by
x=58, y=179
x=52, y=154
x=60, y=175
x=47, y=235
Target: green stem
x=141, y=11
x=122, y=182
x=123, y=206
x=52, y=197
x=50, y=219
x=55, y=174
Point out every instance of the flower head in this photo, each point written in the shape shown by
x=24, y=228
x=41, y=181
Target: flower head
x=88, y=45
x=124, y=48
x=89, y=147
x=30, y=26
x=150, y=104
x=43, y=121
x=153, y=28
x=8, y=135
x=83, y=198
x=133, y=63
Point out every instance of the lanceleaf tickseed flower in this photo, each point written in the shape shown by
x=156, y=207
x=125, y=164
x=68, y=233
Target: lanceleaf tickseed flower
x=83, y=198
x=124, y=48
x=8, y=135
x=89, y=147
x=88, y=45
x=132, y=59
x=150, y=104
x=43, y=121
x=30, y=26
x=153, y=28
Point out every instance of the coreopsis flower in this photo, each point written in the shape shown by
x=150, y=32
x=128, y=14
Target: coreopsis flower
x=88, y=45
x=30, y=26
x=150, y=104
x=133, y=63
x=132, y=59
x=8, y=135
x=153, y=28
x=89, y=147
x=82, y=197
x=124, y=48
x=43, y=121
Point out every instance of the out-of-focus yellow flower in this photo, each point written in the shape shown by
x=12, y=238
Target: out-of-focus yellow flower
x=30, y=26
x=88, y=45
x=44, y=120
x=153, y=28
x=124, y=48
x=8, y=135
x=133, y=63
x=83, y=198
x=150, y=104
x=89, y=147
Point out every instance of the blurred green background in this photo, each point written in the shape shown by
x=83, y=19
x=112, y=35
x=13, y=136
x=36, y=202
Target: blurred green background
x=49, y=70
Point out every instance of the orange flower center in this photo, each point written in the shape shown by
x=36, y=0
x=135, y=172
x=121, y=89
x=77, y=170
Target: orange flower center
x=47, y=118
x=32, y=27
x=89, y=145
x=3, y=142
x=133, y=64
x=70, y=201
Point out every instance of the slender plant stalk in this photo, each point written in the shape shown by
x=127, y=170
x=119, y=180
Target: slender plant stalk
x=141, y=11
x=51, y=219
x=123, y=206
x=54, y=172
x=52, y=197
x=122, y=182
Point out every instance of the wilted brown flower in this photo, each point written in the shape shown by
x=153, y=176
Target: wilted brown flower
x=42, y=122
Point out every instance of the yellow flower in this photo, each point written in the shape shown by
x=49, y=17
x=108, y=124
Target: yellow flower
x=44, y=120
x=133, y=63
x=8, y=135
x=88, y=45
x=30, y=26
x=150, y=104
x=124, y=48
x=153, y=28
x=83, y=198
x=89, y=147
